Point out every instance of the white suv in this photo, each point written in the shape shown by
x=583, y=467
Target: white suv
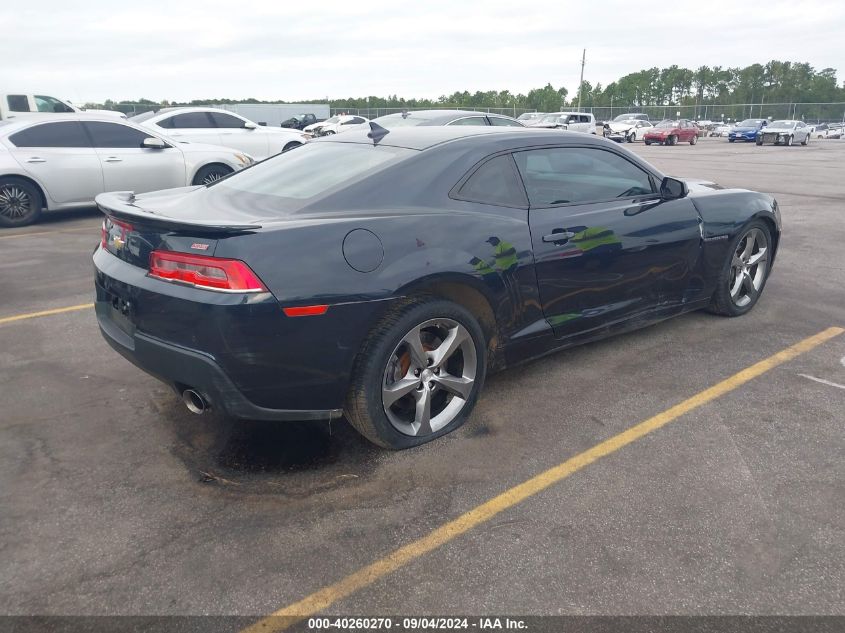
x=14, y=105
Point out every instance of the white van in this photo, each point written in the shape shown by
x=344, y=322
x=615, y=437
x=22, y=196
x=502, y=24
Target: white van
x=572, y=121
x=19, y=104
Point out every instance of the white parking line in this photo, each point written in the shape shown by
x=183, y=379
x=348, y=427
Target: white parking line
x=822, y=381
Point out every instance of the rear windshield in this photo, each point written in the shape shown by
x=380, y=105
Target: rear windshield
x=311, y=170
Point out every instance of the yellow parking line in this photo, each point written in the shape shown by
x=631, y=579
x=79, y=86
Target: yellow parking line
x=93, y=230
x=32, y=315
x=324, y=598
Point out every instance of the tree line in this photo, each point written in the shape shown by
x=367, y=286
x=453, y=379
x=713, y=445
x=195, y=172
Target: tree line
x=773, y=82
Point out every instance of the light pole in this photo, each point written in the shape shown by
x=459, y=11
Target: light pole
x=581, y=84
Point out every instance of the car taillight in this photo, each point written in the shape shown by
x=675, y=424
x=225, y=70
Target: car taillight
x=211, y=273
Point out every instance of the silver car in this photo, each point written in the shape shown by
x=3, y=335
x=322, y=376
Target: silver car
x=785, y=132
x=64, y=161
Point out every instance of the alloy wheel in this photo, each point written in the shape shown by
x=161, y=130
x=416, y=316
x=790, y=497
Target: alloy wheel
x=429, y=377
x=15, y=202
x=748, y=267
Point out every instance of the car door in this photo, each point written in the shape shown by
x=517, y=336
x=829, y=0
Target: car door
x=235, y=134
x=128, y=166
x=60, y=157
x=606, y=247
x=193, y=127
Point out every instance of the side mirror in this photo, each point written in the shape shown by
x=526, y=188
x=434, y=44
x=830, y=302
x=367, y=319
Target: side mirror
x=673, y=189
x=249, y=125
x=151, y=142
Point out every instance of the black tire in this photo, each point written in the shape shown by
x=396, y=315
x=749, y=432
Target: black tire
x=731, y=140
x=211, y=174
x=721, y=303
x=759, y=141
x=672, y=140
x=290, y=146
x=364, y=404
x=20, y=202
x=806, y=140
x=693, y=140
x=788, y=140
x=647, y=142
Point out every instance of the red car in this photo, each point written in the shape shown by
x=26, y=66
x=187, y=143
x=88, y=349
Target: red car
x=669, y=132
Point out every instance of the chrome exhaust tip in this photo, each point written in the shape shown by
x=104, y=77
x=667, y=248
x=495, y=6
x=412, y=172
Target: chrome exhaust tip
x=194, y=401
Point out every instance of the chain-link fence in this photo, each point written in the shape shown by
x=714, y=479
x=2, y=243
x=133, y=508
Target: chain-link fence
x=808, y=112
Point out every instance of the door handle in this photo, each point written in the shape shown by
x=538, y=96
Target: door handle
x=36, y=159
x=563, y=236
x=113, y=159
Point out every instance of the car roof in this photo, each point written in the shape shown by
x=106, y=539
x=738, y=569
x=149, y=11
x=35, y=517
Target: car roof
x=425, y=137
x=26, y=120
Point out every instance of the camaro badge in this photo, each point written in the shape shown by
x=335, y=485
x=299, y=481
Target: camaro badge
x=199, y=247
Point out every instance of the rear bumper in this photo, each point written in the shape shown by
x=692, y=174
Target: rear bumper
x=184, y=368
x=240, y=352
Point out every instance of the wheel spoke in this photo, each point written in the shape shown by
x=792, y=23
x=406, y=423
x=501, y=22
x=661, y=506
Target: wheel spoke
x=748, y=284
x=400, y=388
x=457, y=335
x=749, y=247
x=758, y=257
x=457, y=385
x=736, y=285
x=422, y=416
x=413, y=341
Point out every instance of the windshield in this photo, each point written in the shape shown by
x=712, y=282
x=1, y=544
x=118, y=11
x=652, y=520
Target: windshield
x=140, y=118
x=782, y=124
x=528, y=116
x=750, y=123
x=667, y=123
x=626, y=117
x=551, y=118
x=309, y=171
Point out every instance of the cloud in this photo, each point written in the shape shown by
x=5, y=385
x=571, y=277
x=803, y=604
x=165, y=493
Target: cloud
x=272, y=50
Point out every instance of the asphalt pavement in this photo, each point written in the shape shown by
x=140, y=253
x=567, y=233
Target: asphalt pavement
x=117, y=501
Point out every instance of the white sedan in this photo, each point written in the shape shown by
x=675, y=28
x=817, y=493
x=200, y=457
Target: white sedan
x=630, y=130
x=65, y=161
x=220, y=127
x=785, y=132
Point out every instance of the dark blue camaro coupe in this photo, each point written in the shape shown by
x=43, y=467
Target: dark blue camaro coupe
x=382, y=274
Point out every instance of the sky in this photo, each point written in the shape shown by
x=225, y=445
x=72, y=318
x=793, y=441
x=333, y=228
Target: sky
x=180, y=50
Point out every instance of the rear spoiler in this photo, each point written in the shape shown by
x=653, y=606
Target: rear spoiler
x=121, y=205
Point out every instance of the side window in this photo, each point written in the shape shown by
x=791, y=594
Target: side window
x=585, y=118
x=224, y=120
x=191, y=120
x=495, y=182
x=17, y=103
x=166, y=124
x=470, y=120
x=565, y=175
x=114, y=135
x=51, y=104
x=59, y=134
x=357, y=120
x=501, y=121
